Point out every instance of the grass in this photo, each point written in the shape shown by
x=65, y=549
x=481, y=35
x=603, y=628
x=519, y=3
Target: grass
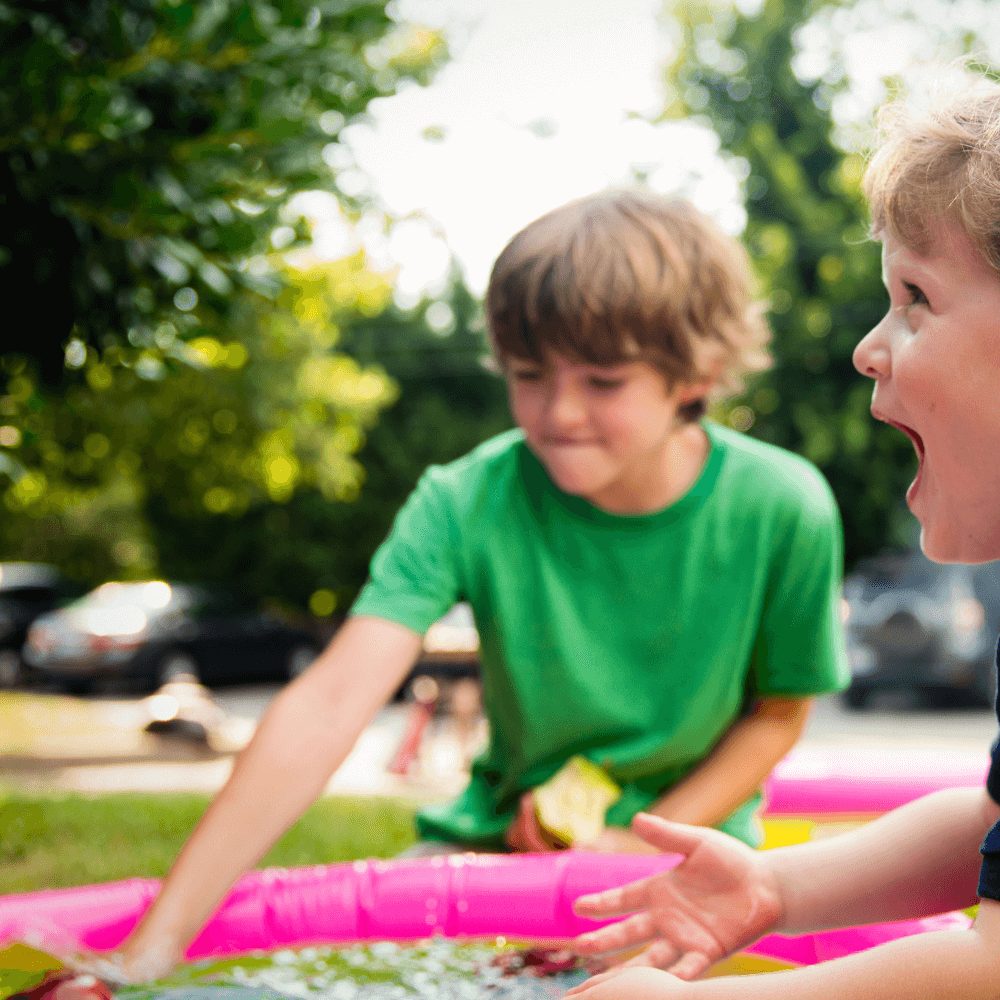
x=54, y=840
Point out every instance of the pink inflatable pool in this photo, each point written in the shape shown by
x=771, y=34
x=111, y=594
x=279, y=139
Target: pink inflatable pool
x=824, y=782
x=526, y=896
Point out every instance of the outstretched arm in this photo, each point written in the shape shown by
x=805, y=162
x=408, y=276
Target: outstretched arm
x=957, y=965
x=736, y=768
x=306, y=732
x=920, y=859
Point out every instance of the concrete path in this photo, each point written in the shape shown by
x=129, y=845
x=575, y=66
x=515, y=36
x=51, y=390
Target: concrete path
x=52, y=742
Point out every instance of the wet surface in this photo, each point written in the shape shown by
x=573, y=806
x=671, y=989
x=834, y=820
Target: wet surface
x=432, y=969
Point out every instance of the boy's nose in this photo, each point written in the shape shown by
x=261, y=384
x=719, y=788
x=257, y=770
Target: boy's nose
x=872, y=357
x=565, y=407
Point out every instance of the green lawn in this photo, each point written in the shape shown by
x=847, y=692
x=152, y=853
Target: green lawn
x=61, y=840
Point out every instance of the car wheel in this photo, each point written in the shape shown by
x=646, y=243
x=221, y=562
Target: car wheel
x=10, y=668
x=78, y=685
x=176, y=665
x=299, y=658
x=856, y=697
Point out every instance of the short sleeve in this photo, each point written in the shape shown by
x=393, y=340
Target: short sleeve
x=799, y=648
x=414, y=574
x=989, y=873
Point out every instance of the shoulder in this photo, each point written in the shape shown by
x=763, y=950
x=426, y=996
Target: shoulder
x=493, y=457
x=773, y=476
x=488, y=472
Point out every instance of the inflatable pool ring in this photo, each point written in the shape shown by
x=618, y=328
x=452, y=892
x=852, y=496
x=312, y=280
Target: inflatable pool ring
x=523, y=896
x=820, y=782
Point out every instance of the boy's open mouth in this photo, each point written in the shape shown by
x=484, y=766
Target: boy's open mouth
x=915, y=438
x=918, y=446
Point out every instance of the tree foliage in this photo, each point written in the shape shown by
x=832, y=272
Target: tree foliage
x=148, y=146
x=179, y=387
x=807, y=233
x=165, y=460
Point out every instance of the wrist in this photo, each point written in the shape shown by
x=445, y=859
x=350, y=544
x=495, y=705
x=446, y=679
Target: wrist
x=139, y=960
x=774, y=890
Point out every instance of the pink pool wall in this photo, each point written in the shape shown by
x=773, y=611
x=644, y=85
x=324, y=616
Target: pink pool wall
x=526, y=896
x=823, y=782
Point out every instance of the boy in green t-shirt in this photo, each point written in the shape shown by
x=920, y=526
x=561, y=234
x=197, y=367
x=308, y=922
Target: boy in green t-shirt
x=654, y=593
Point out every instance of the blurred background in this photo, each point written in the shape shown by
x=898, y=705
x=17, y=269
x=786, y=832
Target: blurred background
x=243, y=252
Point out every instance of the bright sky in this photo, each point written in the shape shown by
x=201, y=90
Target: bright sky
x=546, y=100
x=539, y=104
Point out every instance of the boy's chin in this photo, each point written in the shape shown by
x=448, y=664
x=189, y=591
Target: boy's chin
x=949, y=547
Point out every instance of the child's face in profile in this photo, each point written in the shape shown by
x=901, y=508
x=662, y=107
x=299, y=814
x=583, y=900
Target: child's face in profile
x=935, y=358
x=607, y=433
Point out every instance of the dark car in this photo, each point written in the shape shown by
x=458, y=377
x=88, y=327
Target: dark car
x=450, y=652
x=151, y=632
x=451, y=646
x=921, y=626
x=27, y=590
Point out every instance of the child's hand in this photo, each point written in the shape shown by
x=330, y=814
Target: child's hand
x=67, y=985
x=720, y=899
x=618, y=840
x=631, y=984
x=130, y=965
x=525, y=833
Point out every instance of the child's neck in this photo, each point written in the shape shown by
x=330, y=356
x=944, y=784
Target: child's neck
x=666, y=481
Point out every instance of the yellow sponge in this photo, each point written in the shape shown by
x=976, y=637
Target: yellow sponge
x=570, y=806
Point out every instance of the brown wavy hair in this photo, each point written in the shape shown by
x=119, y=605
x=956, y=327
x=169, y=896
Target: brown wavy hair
x=938, y=158
x=627, y=275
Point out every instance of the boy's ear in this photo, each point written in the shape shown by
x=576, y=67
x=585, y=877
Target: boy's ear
x=688, y=392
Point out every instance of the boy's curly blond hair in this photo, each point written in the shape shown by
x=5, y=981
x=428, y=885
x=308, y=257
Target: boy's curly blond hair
x=627, y=275
x=938, y=159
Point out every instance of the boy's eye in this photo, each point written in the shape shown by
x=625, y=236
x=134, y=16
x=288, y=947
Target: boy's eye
x=526, y=374
x=604, y=383
x=915, y=294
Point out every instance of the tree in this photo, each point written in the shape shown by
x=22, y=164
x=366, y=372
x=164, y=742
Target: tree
x=147, y=148
x=166, y=465
x=449, y=401
x=178, y=383
x=807, y=235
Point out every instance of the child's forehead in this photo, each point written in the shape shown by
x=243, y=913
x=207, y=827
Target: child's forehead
x=943, y=241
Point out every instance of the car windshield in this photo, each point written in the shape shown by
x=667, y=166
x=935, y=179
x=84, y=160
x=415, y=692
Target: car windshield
x=127, y=608
x=152, y=595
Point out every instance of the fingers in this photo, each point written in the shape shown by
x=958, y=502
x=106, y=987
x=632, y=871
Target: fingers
x=590, y=983
x=614, y=902
x=524, y=833
x=690, y=966
x=636, y=984
x=625, y=934
x=666, y=836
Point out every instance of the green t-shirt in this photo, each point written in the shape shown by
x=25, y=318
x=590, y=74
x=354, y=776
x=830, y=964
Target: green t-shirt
x=633, y=640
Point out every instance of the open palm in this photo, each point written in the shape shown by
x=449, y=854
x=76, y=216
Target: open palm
x=719, y=899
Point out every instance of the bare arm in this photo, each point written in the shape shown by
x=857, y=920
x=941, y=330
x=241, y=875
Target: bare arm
x=957, y=965
x=922, y=858
x=737, y=766
x=307, y=731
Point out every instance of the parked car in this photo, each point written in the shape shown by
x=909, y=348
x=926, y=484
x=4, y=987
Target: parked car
x=27, y=590
x=451, y=646
x=922, y=626
x=450, y=651
x=151, y=632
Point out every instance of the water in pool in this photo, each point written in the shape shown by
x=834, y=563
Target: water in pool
x=432, y=969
